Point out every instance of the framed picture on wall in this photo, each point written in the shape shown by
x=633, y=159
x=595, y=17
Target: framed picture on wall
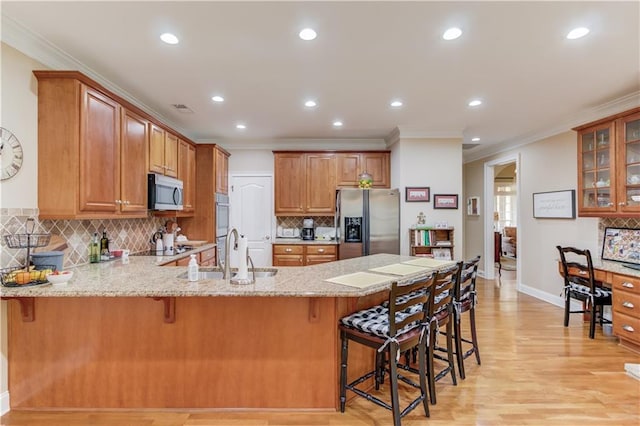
x=473, y=206
x=445, y=201
x=417, y=194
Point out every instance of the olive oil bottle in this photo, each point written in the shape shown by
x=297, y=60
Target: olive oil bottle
x=94, y=249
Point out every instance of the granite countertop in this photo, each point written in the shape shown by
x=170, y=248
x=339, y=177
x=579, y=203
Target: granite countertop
x=280, y=240
x=141, y=276
x=615, y=267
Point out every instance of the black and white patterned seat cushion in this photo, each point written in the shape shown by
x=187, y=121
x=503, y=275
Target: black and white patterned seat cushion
x=375, y=320
x=601, y=293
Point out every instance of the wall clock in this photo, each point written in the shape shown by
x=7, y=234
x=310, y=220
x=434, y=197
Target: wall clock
x=12, y=154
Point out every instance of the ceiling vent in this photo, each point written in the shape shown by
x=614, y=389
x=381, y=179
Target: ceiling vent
x=469, y=145
x=182, y=108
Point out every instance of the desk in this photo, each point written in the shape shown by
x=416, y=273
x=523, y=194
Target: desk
x=625, y=306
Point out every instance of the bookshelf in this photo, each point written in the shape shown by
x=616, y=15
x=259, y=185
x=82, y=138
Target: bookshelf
x=431, y=242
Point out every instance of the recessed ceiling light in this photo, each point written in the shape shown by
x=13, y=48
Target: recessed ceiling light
x=169, y=38
x=217, y=99
x=577, y=33
x=475, y=103
x=396, y=104
x=241, y=126
x=452, y=33
x=307, y=34
x=310, y=104
x=337, y=123
x=475, y=139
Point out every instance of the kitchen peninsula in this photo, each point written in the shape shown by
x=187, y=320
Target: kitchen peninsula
x=133, y=335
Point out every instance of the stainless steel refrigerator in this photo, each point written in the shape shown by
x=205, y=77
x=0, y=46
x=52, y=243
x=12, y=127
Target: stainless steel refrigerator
x=368, y=221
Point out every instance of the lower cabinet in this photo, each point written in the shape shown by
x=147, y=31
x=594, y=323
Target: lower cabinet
x=626, y=310
x=301, y=254
x=204, y=258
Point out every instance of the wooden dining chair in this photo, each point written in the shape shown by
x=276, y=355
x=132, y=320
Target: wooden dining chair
x=465, y=299
x=580, y=284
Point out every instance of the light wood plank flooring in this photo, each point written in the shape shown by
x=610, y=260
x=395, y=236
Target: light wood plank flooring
x=534, y=372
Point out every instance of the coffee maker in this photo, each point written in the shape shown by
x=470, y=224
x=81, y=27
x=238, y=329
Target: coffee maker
x=308, y=232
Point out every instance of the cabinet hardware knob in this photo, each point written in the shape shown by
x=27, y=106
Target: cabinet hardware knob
x=628, y=328
x=622, y=203
x=610, y=204
x=288, y=250
x=628, y=305
x=627, y=285
x=320, y=250
x=267, y=237
x=118, y=201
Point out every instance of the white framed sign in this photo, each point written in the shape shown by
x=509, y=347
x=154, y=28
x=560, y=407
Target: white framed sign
x=554, y=204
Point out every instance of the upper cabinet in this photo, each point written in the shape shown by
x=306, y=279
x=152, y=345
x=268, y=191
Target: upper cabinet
x=306, y=182
x=133, y=158
x=609, y=166
x=187, y=174
x=290, y=184
x=163, y=152
x=222, y=170
x=94, y=150
x=352, y=164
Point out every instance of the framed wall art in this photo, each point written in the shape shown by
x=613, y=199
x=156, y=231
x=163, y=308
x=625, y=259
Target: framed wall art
x=554, y=204
x=445, y=201
x=473, y=206
x=417, y=194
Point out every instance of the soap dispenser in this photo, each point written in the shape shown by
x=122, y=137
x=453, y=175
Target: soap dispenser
x=192, y=269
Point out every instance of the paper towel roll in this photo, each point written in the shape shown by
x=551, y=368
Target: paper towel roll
x=243, y=248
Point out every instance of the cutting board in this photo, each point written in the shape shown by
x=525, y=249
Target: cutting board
x=56, y=243
x=429, y=263
x=399, y=269
x=192, y=243
x=359, y=279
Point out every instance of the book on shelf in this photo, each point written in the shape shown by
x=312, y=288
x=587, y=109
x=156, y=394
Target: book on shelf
x=444, y=243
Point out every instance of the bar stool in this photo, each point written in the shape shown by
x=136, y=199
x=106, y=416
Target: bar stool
x=398, y=327
x=440, y=312
x=465, y=300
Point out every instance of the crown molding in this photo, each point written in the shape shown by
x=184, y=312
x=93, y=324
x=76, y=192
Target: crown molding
x=406, y=132
x=615, y=106
x=392, y=138
x=298, y=144
x=51, y=56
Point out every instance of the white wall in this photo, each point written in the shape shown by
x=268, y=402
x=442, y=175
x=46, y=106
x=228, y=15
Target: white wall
x=547, y=165
x=243, y=161
x=437, y=164
x=19, y=114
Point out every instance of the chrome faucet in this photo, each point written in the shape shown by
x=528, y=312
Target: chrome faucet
x=227, y=243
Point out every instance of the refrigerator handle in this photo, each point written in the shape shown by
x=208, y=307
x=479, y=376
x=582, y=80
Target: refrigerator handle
x=336, y=218
x=366, y=228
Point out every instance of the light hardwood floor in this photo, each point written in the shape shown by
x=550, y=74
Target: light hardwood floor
x=534, y=372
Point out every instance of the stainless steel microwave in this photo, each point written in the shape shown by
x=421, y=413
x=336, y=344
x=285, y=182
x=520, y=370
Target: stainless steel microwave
x=164, y=192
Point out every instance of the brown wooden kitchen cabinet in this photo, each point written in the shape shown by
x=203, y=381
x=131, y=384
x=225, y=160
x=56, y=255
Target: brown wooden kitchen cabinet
x=320, y=178
x=626, y=310
x=133, y=160
x=301, y=254
x=187, y=174
x=163, y=152
x=352, y=164
x=103, y=142
x=290, y=184
x=202, y=224
x=305, y=183
x=609, y=166
x=208, y=257
x=222, y=171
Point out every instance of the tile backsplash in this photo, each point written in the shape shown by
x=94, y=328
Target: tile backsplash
x=616, y=222
x=133, y=234
x=296, y=221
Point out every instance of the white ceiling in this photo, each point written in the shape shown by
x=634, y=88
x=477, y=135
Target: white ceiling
x=512, y=55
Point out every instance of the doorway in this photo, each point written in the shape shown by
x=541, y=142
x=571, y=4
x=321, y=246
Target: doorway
x=502, y=192
x=251, y=213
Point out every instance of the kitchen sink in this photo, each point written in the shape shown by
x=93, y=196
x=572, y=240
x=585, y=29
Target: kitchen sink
x=216, y=273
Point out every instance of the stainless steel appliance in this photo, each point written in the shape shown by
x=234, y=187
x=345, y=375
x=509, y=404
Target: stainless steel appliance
x=368, y=221
x=308, y=232
x=164, y=192
x=222, y=223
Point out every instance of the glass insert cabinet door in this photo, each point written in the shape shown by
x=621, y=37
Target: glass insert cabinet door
x=597, y=173
x=630, y=161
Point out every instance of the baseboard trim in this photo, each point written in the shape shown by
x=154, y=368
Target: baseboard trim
x=547, y=297
x=5, y=407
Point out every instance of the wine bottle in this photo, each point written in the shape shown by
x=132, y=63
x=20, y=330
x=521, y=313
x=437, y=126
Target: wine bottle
x=104, y=246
